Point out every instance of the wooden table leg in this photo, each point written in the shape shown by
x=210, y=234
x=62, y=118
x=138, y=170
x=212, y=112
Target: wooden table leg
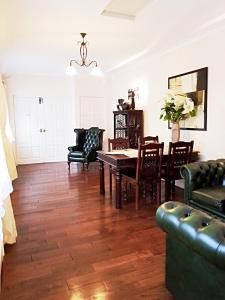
x=110, y=180
x=101, y=177
x=118, y=188
x=167, y=190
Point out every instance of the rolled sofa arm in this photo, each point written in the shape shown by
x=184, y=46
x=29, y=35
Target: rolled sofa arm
x=188, y=172
x=194, y=228
x=73, y=148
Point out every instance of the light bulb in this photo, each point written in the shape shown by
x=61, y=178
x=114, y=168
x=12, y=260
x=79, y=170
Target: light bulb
x=96, y=71
x=71, y=71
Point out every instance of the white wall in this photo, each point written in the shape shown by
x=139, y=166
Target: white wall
x=59, y=88
x=68, y=90
x=151, y=74
x=54, y=88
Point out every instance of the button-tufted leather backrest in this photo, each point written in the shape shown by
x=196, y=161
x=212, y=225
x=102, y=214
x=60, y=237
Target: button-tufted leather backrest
x=92, y=140
x=196, y=229
x=204, y=174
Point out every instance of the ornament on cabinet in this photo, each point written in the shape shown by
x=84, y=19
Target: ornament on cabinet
x=123, y=105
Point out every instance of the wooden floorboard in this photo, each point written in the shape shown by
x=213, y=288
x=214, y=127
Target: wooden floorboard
x=74, y=245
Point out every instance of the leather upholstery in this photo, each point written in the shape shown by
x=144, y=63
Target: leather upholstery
x=213, y=197
x=91, y=141
x=88, y=141
x=205, y=186
x=195, y=252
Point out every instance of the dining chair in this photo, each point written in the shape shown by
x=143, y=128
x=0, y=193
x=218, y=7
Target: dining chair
x=149, y=139
x=116, y=144
x=179, y=154
x=148, y=170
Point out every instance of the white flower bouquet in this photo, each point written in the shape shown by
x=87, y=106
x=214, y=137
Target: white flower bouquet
x=177, y=107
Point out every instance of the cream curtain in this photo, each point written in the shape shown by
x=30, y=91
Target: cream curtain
x=4, y=125
x=9, y=224
x=8, y=231
x=5, y=190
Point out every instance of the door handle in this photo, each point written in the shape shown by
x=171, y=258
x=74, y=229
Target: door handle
x=44, y=130
x=41, y=130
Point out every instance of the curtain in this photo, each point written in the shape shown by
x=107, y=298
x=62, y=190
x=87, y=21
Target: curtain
x=5, y=180
x=8, y=171
x=5, y=190
x=9, y=224
x=6, y=133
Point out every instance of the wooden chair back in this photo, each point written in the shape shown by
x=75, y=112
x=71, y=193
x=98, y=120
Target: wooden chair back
x=150, y=139
x=179, y=154
x=117, y=144
x=149, y=162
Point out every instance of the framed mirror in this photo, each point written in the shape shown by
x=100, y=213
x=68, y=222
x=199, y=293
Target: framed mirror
x=193, y=85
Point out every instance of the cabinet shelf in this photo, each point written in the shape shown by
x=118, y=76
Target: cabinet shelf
x=131, y=125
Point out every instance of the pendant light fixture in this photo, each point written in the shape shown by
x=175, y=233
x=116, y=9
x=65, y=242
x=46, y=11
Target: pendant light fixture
x=83, y=62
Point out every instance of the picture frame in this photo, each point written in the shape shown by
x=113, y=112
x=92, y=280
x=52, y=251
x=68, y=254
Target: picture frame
x=194, y=85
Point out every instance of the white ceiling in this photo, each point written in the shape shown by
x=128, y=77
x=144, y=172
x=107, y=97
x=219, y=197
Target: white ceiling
x=125, y=8
x=40, y=36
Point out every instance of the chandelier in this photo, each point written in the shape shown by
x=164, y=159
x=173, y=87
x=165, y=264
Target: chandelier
x=83, y=62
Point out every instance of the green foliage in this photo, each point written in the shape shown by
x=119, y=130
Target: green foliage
x=177, y=107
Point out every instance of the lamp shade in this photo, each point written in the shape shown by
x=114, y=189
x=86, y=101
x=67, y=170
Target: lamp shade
x=96, y=71
x=71, y=71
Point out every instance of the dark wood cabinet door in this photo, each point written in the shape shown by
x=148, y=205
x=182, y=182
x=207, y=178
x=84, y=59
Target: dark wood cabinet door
x=129, y=124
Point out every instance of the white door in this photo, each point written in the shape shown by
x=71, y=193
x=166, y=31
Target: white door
x=92, y=114
x=42, y=129
x=58, y=129
x=27, y=112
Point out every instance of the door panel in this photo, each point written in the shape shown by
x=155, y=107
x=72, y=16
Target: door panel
x=43, y=131
x=28, y=135
x=92, y=112
x=57, y=124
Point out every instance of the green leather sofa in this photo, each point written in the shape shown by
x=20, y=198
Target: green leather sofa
x=204, y=186
x=195, y=252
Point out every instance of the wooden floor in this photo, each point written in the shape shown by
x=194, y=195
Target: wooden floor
x=73, y=244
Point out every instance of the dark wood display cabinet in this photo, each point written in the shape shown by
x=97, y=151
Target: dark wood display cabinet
x=129, y=124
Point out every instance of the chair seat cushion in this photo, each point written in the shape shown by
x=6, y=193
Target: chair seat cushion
x=213, y=197
x=76, y=154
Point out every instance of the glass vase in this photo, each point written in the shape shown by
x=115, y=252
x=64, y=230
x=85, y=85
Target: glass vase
x=175, y=130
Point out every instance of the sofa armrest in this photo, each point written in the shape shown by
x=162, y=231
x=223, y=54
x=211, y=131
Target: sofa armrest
x=197, y=230
x=188, y=172
x=91, y=155
x=73, y=148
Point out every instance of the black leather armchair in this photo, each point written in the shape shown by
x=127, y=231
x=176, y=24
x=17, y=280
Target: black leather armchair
x=88, y=141
x=195, y=252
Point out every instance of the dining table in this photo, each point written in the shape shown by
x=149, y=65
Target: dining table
x=120, y=160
